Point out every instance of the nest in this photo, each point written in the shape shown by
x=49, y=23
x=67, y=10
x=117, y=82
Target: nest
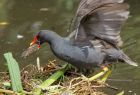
x=71, y=83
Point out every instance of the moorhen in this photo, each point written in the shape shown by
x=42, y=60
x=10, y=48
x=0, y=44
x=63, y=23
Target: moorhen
x=95, y=40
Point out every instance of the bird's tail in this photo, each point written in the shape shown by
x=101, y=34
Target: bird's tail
x=126, y=59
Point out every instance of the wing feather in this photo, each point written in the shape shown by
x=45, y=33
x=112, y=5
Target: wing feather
x=102, y=19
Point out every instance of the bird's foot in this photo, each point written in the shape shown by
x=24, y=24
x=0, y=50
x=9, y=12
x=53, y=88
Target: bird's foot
x=105, y=76
x=99, y=78
x=105, y=73
x=84, y=78
x=93, y=79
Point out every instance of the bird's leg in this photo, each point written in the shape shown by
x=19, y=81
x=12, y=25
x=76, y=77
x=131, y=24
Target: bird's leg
x=103, y=80
x=95, y=77
x=105, y=69
x=104, y=74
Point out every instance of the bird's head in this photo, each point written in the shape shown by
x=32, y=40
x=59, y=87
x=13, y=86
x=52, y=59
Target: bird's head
x=38, y=39
x=36, y=43
x=44, y=36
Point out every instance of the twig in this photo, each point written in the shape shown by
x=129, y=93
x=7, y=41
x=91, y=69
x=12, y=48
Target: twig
x=7, y=91
x=112, y=87
x=13, y=92
x=74, y=80
x=38, y=64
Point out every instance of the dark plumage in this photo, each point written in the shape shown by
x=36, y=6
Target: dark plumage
x=95, y=39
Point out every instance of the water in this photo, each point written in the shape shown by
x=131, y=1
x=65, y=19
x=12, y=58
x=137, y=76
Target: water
x=20, y=20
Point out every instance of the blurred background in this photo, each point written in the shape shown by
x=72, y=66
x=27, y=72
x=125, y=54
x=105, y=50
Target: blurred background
x=20, y=20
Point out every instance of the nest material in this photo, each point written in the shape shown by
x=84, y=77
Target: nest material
x=72, y=83
x=29, y=50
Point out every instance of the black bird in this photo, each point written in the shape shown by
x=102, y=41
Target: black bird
x=95, y=40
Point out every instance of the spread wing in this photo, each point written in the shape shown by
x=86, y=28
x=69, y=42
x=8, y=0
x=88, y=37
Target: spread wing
x=102, y=19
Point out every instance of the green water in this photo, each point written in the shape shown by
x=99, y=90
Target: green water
x=20, y=20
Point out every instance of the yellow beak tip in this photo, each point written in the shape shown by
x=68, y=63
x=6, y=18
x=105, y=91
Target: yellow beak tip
x=31, y=44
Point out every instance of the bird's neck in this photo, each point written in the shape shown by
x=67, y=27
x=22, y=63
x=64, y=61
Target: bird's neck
x=52, y=37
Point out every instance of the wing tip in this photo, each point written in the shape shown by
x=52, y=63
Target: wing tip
x=128, y=60
x=131, y=63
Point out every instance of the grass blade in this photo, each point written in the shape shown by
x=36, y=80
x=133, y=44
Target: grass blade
x=14, y=72
x=51, y=79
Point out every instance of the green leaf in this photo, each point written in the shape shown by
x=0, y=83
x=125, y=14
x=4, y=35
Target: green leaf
x=51, y=79
x=14, y=72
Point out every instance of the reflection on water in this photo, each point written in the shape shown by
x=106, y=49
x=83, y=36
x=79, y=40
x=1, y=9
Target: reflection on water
x=20, y=20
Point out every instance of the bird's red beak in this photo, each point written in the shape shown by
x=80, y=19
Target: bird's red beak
x=35, y=41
